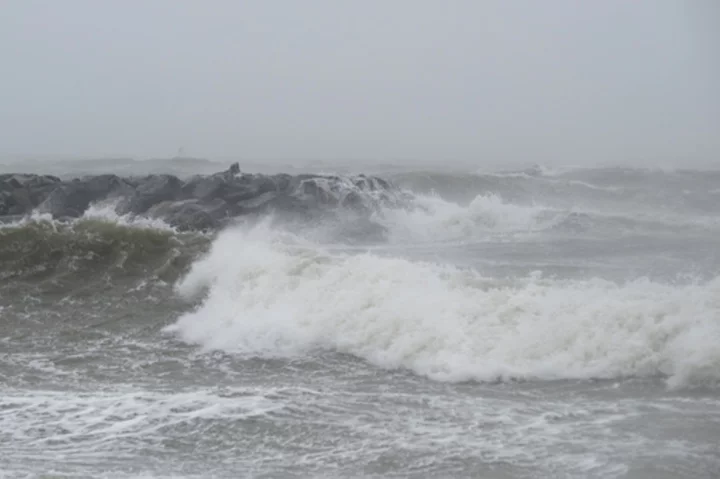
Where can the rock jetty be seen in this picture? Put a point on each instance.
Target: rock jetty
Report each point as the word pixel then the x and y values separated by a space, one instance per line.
pixel 200 202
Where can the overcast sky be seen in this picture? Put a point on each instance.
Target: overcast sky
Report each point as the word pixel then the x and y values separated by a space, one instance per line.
pixel 561 81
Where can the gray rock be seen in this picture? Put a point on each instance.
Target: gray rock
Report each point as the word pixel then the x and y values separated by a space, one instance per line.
pixel 20 193
pixel 15 202
pixel 245 187
pixel 73 198
pixel 229 185
pixel 205 187
pixel 371 183
pixel 322 194
pixel 19 180
pixel 258 202
pixel 354 201
pixel 150 191
pixel 201 202
pixel 192 214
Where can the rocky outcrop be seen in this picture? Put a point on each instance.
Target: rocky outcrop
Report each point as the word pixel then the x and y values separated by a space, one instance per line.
pixel 200 202
pixel 19 194
pixel 193 214
pixel 71 199
pixel 150 191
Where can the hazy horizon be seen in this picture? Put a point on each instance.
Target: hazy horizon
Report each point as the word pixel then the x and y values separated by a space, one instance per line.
pixel 493 82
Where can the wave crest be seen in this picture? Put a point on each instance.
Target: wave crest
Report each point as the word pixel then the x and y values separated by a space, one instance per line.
pixel 38 247
pixel 434 219
pixel 264 295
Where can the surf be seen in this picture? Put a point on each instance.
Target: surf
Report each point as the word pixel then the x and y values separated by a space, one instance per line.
pixel 268 293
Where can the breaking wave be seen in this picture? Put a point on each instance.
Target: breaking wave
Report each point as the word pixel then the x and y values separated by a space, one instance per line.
pixel 271 285
pixel 267 293
pixel 435 219
pixel 37 246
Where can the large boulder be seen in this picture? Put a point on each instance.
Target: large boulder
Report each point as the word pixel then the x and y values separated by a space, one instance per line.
pixel 15 202
pixel 27 181
pixel 193 214
pixel 361 194
pixel 229 185
pixel 205 187
pixel 246 187
pixel 150 191
pixel 319 190
pixel 19 194
pixel 71 199
pixel 354 201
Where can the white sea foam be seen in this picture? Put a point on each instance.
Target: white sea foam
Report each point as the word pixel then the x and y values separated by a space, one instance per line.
pixel 100 211
pixel 75 432
pixel 32 217
pixel 528 173
pixel 585 184
pixel 267 296
pixel 435 219
pixel 105 211
pixel 488 216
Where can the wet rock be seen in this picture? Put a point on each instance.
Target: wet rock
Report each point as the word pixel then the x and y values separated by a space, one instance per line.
pixel 20 193
pixel 320 190
pixel 19 180
pixel 150 191
pixel 261 201
pixel 354 201
pixel 192 214
pixel 201 202
pixel 205 187
pixel 245 187
pixel 74 197
pixel 15 202
pixel 229 185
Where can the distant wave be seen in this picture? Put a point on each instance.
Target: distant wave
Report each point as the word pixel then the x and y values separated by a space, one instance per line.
pixel 433 219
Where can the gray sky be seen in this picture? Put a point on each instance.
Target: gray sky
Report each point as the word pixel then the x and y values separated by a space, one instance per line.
pixel 561 81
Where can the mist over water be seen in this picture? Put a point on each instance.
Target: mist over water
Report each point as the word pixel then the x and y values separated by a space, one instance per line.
pixel 497 84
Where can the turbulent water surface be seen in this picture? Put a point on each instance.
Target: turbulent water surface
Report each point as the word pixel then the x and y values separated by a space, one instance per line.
pixel 522 324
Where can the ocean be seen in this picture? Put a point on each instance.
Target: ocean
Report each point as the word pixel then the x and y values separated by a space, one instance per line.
pixel 538 323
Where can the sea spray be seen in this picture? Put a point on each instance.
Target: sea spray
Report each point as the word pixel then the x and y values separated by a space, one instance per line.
pixel 262 295
pixel 433 218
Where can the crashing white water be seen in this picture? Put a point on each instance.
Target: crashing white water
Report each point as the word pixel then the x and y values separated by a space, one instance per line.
pixel 435 219
pixel 99 211
pixel 267 296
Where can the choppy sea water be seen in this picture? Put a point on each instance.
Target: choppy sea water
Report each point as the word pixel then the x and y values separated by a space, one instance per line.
pixel 519 324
